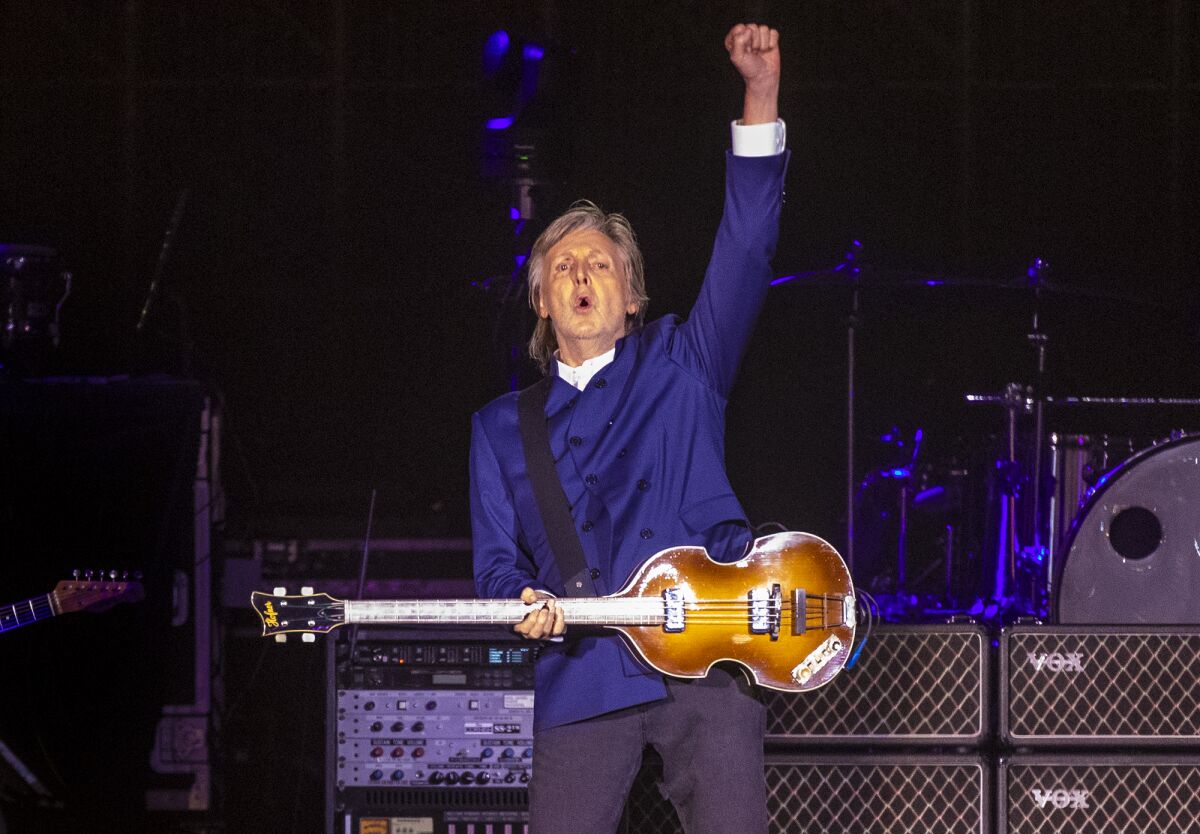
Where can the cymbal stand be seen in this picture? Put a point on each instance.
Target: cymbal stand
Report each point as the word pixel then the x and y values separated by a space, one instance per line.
pixel 1015 400
pixel 1038 338
pixel 851 268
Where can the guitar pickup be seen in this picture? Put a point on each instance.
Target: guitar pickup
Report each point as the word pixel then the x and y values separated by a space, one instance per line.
pixel 766 610
pixel 760 611
pixel 673 611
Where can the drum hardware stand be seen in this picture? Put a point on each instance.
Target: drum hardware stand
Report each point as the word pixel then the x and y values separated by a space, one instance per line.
pixel 851 268
pixel 1036 275
pixel 1016 398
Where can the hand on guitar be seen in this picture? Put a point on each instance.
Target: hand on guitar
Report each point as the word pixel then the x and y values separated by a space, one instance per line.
pixel 544 623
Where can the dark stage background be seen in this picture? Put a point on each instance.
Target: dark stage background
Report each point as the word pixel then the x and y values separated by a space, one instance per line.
pixel 343 272
pixel 340 219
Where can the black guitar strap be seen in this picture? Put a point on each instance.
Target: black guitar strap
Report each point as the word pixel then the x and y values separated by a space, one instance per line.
pixel 547 489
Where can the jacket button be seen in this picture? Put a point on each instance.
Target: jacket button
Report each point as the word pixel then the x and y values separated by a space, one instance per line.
pixel 587 526
pixel 643 485
pixel 595 573
pixel 576 441
pixel 647 533
pixel 592 480
pixel 601 383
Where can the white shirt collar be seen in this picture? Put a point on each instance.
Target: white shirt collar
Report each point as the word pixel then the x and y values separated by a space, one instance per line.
pixel 581 376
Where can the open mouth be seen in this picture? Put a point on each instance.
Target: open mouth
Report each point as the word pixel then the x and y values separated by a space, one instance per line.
pixel 583 302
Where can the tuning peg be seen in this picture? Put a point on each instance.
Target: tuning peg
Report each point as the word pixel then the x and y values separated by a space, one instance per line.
pixel 306 591
pixel 87 574
pixel 75 573
pixel 279 591
pixel 306 637
pixel 137 576
pixel 112 573
pixel 280 638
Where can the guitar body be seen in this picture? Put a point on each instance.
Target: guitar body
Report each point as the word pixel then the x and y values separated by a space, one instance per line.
pixel 789 560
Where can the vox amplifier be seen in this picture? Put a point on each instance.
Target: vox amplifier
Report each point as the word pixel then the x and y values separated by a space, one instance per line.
pixel 847 794
pixel 1099 794
pixel 912 685
pixel 1091 686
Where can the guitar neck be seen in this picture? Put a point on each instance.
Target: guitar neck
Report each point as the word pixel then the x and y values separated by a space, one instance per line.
pixel 26 612
pixel 579 611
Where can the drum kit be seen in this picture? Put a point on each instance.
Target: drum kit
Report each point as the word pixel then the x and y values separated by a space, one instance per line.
pixel 1040 518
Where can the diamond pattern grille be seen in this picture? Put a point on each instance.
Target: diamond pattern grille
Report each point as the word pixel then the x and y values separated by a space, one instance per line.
pixel 908 686
pixel 1120 799
pixel 1132 687
pixel 844 798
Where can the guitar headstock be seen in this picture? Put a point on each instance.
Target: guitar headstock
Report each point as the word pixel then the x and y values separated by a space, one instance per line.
pixel 307 613
pixel 97 591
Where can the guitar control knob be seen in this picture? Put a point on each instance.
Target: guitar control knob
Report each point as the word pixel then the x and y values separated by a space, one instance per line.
pixel 377 726
pixel 467 779
pixel 376 752
pixel 418 727
pixel 483 777
pixel 418 752
pixel 376 775
pixel 431 705
pixel 397 752
pixel 436 778
pixel 398 727
pixel 451 778
pixel 397 775
pixel 524 778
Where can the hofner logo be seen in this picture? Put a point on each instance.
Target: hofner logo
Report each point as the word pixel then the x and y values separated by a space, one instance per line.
pixel 272 617
pixel 1056 662
pixel 1061 798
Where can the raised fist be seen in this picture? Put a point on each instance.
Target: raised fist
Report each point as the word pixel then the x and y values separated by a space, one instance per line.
pixel 754 50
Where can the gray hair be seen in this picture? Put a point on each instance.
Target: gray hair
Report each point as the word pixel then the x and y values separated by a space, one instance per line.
pixel 582 216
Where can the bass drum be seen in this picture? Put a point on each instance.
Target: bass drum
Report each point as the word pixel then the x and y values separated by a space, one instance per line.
pixel 1133 553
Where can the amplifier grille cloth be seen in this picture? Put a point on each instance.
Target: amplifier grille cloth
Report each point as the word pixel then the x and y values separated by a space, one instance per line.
pixel 1136 685
pixel 1164 799
pixel 906 684
pixel 846 798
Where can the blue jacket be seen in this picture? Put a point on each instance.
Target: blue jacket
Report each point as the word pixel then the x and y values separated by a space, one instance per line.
pixel 640 453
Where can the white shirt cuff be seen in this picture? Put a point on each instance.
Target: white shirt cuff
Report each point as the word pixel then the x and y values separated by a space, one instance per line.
pixel 766 139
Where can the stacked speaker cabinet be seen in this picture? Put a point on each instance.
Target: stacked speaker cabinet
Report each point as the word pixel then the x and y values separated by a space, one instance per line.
pixel 863 793
pixel 908 719
pixel 1125 701
pixel 912 686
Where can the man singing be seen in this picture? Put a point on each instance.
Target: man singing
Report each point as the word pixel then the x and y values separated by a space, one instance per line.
pixel 636 421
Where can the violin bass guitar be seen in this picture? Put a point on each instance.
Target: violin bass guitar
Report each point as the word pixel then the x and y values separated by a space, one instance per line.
pixel 785 612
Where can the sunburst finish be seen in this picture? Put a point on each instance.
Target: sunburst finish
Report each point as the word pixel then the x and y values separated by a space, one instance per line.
pixel 720 631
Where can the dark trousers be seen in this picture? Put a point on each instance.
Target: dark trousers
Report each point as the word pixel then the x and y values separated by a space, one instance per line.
pixel 709 733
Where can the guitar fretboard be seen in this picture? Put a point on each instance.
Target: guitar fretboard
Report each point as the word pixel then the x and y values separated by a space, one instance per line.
pixel 591 611
pixel 26 612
